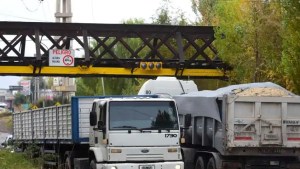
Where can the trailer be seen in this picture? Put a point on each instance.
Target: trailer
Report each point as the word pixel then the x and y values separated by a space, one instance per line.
pixel 104 133
pixel 240 127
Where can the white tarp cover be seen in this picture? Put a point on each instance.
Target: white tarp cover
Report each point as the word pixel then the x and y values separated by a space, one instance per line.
pixel 203 103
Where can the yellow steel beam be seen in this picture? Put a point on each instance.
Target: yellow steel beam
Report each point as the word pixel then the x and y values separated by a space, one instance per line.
pixel 107 71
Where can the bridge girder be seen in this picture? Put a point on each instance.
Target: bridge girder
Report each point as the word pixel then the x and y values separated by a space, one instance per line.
pixel 110 50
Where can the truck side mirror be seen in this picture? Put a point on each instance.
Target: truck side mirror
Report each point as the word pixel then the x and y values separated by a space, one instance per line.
pixel 187 120
pixel 93 118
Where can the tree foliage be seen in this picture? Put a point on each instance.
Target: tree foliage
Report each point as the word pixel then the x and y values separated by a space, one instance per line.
pixel 291 45
pixel 260 39
pixel 248 37
pixel 167 15
pixel 207 10
pixel 20 99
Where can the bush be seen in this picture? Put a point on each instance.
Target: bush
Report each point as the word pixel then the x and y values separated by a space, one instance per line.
pixel 11 160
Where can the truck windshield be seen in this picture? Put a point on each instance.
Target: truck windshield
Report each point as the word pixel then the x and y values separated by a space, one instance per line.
pixel 142 115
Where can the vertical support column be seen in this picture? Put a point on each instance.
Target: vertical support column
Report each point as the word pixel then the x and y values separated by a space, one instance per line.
pixel 258 125
pixel 180 68
pixel 23 44
pixel 64 12
pixel 86 46
pixel 44 124
pixel 180 47
pixel 284 110
pixel 32 125
pixel 37 44
pixel 56 120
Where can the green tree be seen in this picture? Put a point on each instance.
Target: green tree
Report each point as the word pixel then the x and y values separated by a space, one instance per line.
pixel 248 38
pixel 167 15
pixel 291 45
pixel 19 100
pixel 207 10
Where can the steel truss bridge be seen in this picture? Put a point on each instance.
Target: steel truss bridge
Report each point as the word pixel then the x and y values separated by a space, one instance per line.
pixel 110 50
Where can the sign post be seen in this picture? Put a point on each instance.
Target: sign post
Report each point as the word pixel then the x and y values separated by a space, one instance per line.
pixel 61 57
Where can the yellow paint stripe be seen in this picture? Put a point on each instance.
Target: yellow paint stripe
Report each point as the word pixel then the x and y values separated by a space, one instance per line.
pixel 23 70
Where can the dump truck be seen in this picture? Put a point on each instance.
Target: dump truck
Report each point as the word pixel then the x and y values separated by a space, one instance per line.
pixel 247 126
pixel 112 132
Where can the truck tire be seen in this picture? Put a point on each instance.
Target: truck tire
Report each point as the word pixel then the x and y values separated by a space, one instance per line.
pixel 211 163
pixel 199 163
pixel 93 164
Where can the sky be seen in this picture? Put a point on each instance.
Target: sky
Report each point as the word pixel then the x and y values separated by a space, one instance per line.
pixel 86 11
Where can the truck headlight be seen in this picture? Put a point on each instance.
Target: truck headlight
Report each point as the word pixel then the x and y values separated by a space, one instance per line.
pixel 177 166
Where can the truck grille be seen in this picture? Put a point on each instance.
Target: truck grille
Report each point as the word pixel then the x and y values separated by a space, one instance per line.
pixel 141 157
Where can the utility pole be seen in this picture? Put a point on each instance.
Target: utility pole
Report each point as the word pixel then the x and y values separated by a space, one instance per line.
pixel 64 14
pixel 63 11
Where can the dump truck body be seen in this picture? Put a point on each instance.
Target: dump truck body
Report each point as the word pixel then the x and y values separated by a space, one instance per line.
pixel 230 124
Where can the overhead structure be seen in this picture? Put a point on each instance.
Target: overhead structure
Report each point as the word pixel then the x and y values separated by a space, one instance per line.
pixel 26 49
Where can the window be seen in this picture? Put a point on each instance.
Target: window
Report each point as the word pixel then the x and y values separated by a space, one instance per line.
pixel 103 113
pixel 143 115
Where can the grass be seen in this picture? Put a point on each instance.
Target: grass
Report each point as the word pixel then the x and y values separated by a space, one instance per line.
pixel 10 160
pixel 5 113
pixel 15 160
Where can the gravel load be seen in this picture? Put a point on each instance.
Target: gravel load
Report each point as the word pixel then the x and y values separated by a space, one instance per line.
pixel 262 91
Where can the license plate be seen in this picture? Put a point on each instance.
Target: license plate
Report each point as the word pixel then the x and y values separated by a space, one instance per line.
pixel 146 167
pixel 271 137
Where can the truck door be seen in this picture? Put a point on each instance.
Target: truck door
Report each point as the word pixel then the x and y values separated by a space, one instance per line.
pixel 257 121
pixel 270 123
pixel 100 133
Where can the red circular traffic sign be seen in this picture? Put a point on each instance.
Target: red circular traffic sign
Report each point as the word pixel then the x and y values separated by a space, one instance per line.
pixel 68 60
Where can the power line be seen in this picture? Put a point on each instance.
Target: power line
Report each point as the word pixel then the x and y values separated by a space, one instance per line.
pixel 32 10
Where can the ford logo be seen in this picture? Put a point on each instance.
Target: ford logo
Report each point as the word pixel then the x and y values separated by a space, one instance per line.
pixel 144 150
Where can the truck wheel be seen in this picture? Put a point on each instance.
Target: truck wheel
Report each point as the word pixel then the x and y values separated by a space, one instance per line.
pixel 199 163
pixel 93 164
pixel 211 163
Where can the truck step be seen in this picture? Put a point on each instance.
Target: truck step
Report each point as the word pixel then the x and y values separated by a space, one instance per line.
pixel 49 151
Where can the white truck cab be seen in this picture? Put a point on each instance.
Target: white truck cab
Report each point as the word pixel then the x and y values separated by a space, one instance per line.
pixel 135 133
